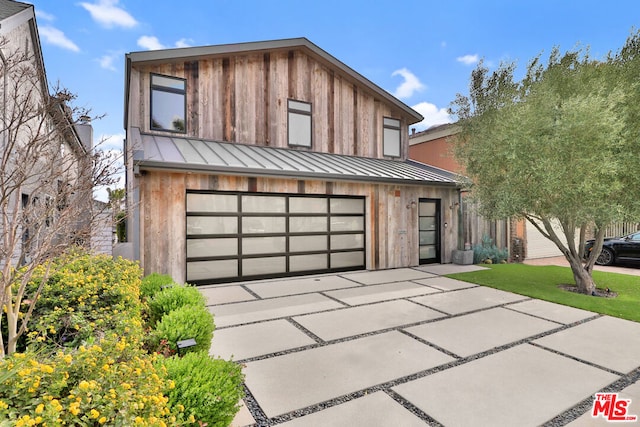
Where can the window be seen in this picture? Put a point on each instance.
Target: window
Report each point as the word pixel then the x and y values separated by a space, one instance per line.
pixel 168 103
pixel 299 123
pixel 391 137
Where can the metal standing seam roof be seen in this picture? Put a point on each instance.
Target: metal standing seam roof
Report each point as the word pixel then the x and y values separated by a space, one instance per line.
pixel 10 8
pixel 188 154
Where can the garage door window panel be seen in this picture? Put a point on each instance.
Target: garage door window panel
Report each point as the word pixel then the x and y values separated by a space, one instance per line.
pixel 263 245
pixel 347 241
pixel 201 248
pixel 207 225
pixel 261 266
pixel 204 270
pixel 218 203
pixel 308 243
pixel 347 259
pixel 309 224
pixel 266 204
pixel 307 205
pixel 347 223
pixel 252 225
pixel 308 262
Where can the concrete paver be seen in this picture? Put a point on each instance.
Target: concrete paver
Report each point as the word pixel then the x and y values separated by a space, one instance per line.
pixel 300 286
pixel 606 341
pixel 521 386
pixel 244 342
pixel 225 294
pixel 551 311
pixel 293 381
pixel 363 319
pixel 253 311
pixel 243 417
pixel 481 331
pixel 465 300
pixel 376 293
pixel 445 283
pixel 379 370
pixel 376 409
pixel 386 276
pixel 444 269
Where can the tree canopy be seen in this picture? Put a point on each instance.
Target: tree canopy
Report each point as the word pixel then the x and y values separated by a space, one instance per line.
pixel 559 145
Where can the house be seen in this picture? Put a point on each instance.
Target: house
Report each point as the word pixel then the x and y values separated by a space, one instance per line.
pixel 433 146
pixel 44 181
pixel 270 159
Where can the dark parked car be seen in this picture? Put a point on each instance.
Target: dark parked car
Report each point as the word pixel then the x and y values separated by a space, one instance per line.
pixel 617 249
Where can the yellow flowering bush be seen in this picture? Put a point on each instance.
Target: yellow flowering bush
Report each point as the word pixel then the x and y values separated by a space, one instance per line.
pixel 112 382
pixel 86 296
pixel 85 361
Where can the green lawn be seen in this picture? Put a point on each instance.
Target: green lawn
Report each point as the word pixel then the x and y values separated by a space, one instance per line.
pixel 542 282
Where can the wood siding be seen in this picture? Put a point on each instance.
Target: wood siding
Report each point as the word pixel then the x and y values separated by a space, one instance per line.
pixel 243 98
pixel 391 230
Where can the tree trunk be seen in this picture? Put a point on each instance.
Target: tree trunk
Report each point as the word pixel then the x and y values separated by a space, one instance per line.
pixel 582 276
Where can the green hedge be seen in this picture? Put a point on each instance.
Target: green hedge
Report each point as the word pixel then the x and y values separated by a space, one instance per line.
pixel 207 389
pixel 171 298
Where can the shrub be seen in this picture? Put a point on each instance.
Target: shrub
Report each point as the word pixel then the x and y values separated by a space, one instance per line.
pixel 109 383
pixel 189 321
pixel 207 388
pixel 86 296
pixel 488 252
pixel 172 298
pixel 153 283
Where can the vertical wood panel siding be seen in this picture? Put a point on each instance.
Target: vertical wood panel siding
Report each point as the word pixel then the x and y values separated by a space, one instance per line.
pixel 243 98
pixel 392 229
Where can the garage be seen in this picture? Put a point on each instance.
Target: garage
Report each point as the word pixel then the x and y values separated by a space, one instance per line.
pixel 232 236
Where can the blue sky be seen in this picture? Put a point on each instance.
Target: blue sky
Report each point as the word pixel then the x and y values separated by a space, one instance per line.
pixel 422 51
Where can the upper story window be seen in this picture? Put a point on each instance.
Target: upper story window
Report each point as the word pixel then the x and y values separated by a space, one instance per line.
pixel 391 137
pixel 168 103
pixel 299 119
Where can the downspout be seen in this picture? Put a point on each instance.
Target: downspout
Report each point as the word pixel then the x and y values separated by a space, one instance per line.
pixel 462 227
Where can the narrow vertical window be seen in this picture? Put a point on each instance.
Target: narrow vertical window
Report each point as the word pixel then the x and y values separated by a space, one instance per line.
pixel 391 137
pixel 299 123
pixel 168 103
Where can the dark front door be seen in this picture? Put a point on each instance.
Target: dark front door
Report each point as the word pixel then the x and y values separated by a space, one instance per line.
pixel 429 231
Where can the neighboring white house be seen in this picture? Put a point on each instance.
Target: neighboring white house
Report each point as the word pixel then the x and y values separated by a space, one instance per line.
pixel 46 176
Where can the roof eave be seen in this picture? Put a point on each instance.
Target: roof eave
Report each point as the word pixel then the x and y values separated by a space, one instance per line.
pixel 251 172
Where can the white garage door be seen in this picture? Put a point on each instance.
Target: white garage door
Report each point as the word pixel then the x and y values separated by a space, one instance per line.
pixel 242 236
pixel 539 246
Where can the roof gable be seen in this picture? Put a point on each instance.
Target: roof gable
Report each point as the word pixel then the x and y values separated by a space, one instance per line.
pixel 303 44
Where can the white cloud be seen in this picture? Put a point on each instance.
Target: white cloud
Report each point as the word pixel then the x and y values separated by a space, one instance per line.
pixel 432 115
pixel 45 16
pixel 150 43
pixel 56 37
pixel 106 13
pixel 468 59
pixel 410 85
pixel 107 61
pixel 184 43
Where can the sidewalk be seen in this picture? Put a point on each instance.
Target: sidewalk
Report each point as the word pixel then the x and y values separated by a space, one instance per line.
pixel 410 347
pixel 562 261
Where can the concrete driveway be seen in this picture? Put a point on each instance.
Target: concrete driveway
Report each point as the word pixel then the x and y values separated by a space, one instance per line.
pixel 408 347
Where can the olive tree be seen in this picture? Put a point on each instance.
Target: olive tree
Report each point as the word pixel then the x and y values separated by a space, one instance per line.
pixel 47 175
pixel 559 147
